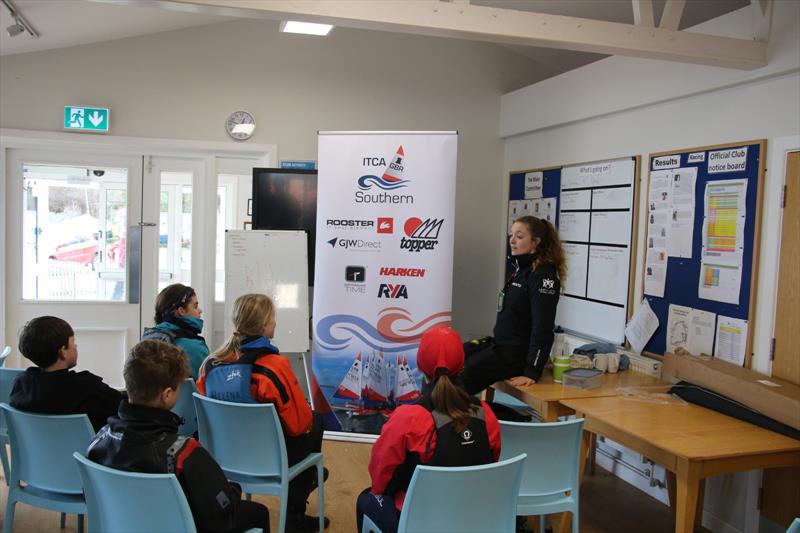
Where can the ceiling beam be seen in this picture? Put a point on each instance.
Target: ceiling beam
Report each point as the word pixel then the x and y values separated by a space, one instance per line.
pixel 762 19
pixel 643 13
pixel 505 26
pixel 671 17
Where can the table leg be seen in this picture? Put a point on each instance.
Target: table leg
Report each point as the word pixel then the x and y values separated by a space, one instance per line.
pixel 672 488
pixel 592 453
pixel 688 492
pixel 550 412
pixel 586 439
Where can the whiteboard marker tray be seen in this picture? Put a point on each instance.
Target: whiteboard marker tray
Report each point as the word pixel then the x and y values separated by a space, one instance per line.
pixel 583 378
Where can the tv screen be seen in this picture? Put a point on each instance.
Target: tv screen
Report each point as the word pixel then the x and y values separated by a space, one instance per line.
pixel 286 199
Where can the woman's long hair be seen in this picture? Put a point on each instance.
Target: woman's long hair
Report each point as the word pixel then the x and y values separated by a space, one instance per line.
pixel 450 398
pixel 549 249
pixel 251 312
pixel 170 299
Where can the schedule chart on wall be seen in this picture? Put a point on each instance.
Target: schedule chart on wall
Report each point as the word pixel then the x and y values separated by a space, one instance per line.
pixel 596 228
pixel 594 206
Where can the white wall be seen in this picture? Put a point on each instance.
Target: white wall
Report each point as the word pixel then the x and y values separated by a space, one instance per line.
pixel 183 84
pixel 626 106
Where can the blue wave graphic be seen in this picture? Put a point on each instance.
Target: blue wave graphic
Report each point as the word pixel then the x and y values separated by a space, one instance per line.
pixel 358 328
pixel 366 182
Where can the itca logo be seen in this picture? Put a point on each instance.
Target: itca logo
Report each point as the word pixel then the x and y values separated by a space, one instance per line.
pixel 385 225
pixel 392 177
pixel 422 235
pixel 387 290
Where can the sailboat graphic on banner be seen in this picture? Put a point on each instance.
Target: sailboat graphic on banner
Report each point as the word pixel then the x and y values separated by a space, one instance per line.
pixel 374 384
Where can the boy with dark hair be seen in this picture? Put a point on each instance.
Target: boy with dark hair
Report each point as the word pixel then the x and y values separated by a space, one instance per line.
pixel 144 438
pixel 51 387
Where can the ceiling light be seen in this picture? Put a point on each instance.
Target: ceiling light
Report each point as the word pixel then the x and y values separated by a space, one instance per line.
pixel 308 28
pixel 15 29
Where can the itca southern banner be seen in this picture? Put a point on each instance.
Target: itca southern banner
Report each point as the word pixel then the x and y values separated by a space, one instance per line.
pixel 384 266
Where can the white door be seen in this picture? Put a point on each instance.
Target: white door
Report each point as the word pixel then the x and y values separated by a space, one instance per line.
pixel 74 242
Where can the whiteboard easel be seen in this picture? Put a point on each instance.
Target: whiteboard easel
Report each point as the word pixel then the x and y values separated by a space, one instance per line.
pixel 274 263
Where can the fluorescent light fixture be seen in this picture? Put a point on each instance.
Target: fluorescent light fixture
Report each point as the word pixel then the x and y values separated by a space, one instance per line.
pixel 308 28
pixel 244 128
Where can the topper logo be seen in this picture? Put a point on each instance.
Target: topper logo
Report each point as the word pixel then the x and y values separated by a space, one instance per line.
pixel 421 234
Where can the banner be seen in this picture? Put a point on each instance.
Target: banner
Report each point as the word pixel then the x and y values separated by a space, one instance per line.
pixel 384 269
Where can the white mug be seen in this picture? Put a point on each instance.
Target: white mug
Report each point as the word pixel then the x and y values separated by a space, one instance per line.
pixel 601 361
pixel 613 363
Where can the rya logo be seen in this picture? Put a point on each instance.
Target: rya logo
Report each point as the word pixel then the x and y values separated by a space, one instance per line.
pixel 387 290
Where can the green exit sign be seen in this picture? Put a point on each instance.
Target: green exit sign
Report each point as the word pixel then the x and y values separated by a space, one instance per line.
pixel 94 119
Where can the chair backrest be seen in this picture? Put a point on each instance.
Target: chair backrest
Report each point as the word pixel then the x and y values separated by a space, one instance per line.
pixel 42 447
pixel 132 501
pixel 4 355
pixel 553 449
pixel 185 408
pixel 7 377
pixel 242 437
pixel 479 498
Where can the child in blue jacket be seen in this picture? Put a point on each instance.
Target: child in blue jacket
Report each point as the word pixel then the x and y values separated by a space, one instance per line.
pixel 179 322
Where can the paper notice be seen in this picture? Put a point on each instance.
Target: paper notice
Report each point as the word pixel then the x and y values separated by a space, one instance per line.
pixel 548 210
pixel 681 219
pixel 701 332
pixel 641 327
pixel 723 223
pixel 678 327
pixel 721 283
pixel 660 189
pixel 655 271
pixel 533 184
pixel 515 210
pixel 731 340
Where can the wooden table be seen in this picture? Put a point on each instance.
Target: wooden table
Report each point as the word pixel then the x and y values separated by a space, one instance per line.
pixel 690 441
pixel 546 395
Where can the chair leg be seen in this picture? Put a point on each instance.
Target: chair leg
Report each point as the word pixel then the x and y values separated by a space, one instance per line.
pixel 4 460
pixel 542 522
pixel 9 520
pixel 80 523
pixel 575 521
pixel 321 496
pixel 284 506
pixel 63 523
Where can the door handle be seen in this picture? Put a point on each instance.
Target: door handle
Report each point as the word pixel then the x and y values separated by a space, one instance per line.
pixel 147 224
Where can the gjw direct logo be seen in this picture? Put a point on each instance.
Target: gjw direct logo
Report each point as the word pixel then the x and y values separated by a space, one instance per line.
pixel 391 180
pixel 358 245
pixel 421 234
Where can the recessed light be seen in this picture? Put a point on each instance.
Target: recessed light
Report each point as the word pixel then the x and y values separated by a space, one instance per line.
pixel 308 28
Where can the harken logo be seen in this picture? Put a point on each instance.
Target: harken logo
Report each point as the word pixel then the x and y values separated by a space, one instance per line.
pixel 388 290
pixel 385 225
pixel 402 272
pixel 422 234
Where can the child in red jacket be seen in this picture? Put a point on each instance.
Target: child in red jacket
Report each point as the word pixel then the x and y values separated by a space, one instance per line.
pixel 272 381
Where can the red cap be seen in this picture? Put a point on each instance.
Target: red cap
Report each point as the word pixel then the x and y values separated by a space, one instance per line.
pixel 440 347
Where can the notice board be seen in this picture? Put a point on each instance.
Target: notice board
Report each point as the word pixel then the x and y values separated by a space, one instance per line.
pixel 593 206
pixel 710 261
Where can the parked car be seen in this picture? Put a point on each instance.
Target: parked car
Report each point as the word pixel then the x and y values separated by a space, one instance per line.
pixel 83 251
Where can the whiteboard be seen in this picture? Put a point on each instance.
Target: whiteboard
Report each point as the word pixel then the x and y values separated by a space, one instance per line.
pixel 274 263
pixel 596 226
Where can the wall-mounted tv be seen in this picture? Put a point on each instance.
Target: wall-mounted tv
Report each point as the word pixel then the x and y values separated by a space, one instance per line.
pixel 287 199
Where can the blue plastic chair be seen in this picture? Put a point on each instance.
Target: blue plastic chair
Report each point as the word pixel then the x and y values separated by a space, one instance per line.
pixel 185 408
pixel 550 481
pixel 7 377
pixel 41 448
pixel 479 499
pixel 160 504
pixel 794 527
pixel 247 442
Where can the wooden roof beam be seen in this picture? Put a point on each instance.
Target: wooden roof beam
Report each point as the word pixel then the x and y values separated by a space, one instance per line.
pixel 490 24
pixel 671 17
pixel 643 13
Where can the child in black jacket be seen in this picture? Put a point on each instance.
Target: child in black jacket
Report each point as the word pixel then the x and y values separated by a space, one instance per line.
pixel 50 387
pixel 144 438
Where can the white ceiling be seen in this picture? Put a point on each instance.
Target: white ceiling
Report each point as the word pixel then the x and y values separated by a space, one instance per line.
pixel 63 23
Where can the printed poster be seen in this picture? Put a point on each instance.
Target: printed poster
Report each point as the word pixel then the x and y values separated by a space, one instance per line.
pixel 384 267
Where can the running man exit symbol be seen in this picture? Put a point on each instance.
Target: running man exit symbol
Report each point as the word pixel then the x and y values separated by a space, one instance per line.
pixel 94 119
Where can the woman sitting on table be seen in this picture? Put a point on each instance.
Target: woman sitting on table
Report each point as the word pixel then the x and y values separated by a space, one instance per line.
pixel 446 427
pixel 526 311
